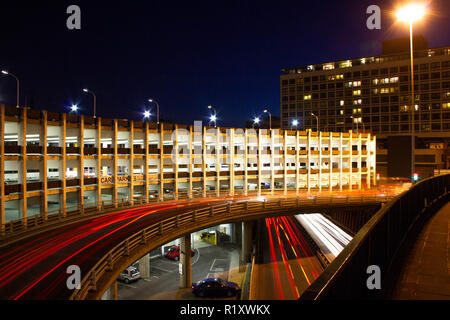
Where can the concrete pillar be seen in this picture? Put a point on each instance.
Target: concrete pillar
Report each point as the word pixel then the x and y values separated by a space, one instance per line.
pixel 144 266
pixel 247 235
pixel 2 170
pixel 43 165
pixel 111 293
pixel 185 261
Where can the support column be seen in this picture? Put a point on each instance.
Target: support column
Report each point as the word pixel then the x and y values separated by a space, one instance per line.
pixel 191 162
pixel 340 161
pixel 359 161
pixel 161 162
pixel 2 170
pixel 62 172
pixel 22 137
pixel 319 137
pixel 204 160
pixel 111 293
pixel 99 163
pixel 218 155
pixel 330 163
pixel 308 160
pixel 131 175
pixel 259 161
pixel 285 162
pixel 297 159
pixel 230 155
pixel 146 175
pixel 43 165
pixel 175 165
pixel 272 162
pixel 368 161
pixel 374 145
pixel 185 261
pixel 115 187
pixel 144 266
pixel 245 162
pixel 81 172
pixel 350 156
pixel 247 241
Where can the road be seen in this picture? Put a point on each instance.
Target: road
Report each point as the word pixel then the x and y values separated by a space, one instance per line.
pixel 289 263
pixel 35 268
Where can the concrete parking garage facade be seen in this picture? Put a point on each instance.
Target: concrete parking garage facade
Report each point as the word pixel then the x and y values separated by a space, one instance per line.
pixel 51 162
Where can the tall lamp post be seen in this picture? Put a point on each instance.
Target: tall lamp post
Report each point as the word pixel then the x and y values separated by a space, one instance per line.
pixel 6 72
pixel 411 13
pixel 214 116
pixel 270 118
pixel 157 109
pixel 95 99
pixel 317 120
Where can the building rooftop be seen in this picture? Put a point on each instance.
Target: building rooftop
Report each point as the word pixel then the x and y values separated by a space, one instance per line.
pixel 393 50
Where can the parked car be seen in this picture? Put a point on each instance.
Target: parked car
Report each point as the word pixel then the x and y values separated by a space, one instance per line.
pixel 215 287
pixel 130 274
pixel 174 253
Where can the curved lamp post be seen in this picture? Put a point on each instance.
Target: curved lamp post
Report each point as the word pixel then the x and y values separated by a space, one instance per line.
pixel 6 72
pixel 95 99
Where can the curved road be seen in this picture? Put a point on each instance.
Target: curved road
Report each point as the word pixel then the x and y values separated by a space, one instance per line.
pixel 35 267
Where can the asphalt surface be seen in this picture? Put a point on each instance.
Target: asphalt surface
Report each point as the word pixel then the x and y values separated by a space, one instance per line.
pixel 288 264
pixel 163 284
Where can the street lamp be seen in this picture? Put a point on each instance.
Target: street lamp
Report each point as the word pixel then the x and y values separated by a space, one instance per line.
pixel 294 123
pixel 6 72
pixel 214 116
pixel 270 118
pixel 95 99
pixel 411 13
pixel 147 114
pixel 157 109
pixel 255 121
pixel 317 120
pixel 74 108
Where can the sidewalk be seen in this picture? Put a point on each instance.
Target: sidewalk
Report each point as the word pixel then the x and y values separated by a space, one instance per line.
pixel 425 274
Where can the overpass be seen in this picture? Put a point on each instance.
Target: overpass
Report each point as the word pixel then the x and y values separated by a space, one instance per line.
pixel 34 261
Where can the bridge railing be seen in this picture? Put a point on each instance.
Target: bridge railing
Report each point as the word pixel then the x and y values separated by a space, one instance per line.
pixel 60 215
pixel 189 218
pixel 380 243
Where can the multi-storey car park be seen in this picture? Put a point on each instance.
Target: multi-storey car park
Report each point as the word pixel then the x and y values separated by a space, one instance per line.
pixel 373 94
pixel 57 162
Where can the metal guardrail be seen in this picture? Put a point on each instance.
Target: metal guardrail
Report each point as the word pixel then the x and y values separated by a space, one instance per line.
pixel 380 242
pixel 187 219
pixel 35 222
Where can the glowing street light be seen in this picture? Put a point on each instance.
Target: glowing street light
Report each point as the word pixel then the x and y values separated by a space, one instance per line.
pixel 294 123
pixel 147 114
pixel 214 116
pixel 255 121
pixel 74 108
pixel 411 13
pixel 270 118
pixel 6 72
pixel 157 109
pixel 95 99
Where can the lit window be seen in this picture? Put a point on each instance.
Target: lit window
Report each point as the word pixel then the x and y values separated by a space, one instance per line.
pixel 307 97
pixel 328 66
pixel 394 80
pixel 341 112
pixel 342 102
pixel 345 64
pixel 356 92
pixel 339 76
pixel 404 108
pixel 310 68
pixel 331 78
pixel 446 105
pixel 356 102
pixel 376 81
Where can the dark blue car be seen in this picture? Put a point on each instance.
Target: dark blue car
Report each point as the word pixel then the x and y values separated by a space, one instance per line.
pixel 215 287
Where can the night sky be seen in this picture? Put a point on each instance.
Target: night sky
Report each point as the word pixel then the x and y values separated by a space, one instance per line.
pixel 185 54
